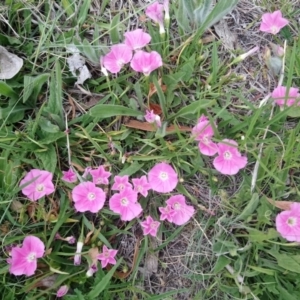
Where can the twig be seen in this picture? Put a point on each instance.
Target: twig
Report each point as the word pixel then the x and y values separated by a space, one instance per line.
pixel 263 102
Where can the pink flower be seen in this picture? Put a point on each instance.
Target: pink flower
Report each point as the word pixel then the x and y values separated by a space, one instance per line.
pixel 70 239
pixel 77 257
pixel 288 223
pixel 279 95
pixel 167 213
pixel 203 132
pixel 107 256
pixel 183 212
pixel 141 185
pixel 100 176
pixel 92 269
pixel 125 204
pixel 150 226
pixel 23 259
pixel 146 62
pixel 230 160
pixel 103 70
pixel 155 13
pixel 40 186
pixel 273 22
pixel 166 8
pixel 118 56
pixel 86 172
pixel 121 183
pixel 137 39
pixel 151 117
pixel 62 291
pixel 88 197
pixel 162 178
pixel 69 176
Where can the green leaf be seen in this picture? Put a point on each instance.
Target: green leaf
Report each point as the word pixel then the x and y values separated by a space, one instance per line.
pixel 132 169
pixel 288 262
pixel 84 9
pixel 193 108
pixel 33 86
pixel 47 126
pixel 221 263
pixel 258 236
pixel 109 110
pixel 221 9
pixel 201 12
pixel 48 158
pixel 100 286
pixel 181 16
pixel 249 209
pixel 114 30
pixel 68 7
pixel 7 91
pixel 262 270
pixel 54 105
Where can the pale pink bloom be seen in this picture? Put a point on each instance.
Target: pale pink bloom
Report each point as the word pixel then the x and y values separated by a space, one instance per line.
pixel 150 226
pixel 62 291
pixel 229 161
pixel 273 22
pixel 118 56
pixel 245 55
pixel 69 176
pixel 86 172
pixel 23 259
pixel 183 212
pixel 87 197
pixel 146 62
pixel 40 186
pixel 121 183
pixel 125 203
pixel 70 239
pixel 107 256
pixel 77 256
pixel 167 213
pixel 162 178
pixel 288 223
pixel 279 51
pixel 203 132
pixel 92 269
pixel 100 176
pixel 137 39
pixel 103 70
pixel 202 127
pixel 141 185
pixel 279 95
pixel 151 117
pixel 166 9
pixel 155 13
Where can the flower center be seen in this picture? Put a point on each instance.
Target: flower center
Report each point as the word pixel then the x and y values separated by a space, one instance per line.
pixel 227 155
pixel 31 257
pixel 153 225
pixel 121 186
pixel 177 206
pixel 40 187
pixel 91 196
pixel 124 202
pixel 291 221
pixel 205 140
pixel 163 176
pixel 106 254
pixel 274 29
pixel 120 62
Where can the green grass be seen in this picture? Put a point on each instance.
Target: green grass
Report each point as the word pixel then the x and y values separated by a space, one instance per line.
pixel 230 250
